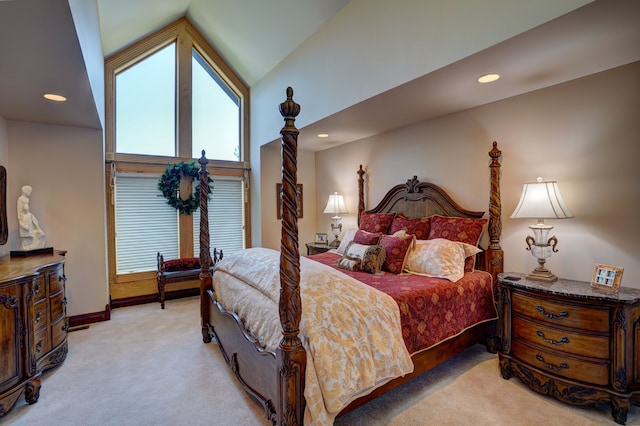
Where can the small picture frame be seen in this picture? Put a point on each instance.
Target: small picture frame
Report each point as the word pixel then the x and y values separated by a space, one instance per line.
pixel 321 238
pixel 607 277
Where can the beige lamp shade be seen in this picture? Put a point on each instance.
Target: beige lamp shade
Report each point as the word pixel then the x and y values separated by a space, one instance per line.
pixel 335 206
pixel 541 200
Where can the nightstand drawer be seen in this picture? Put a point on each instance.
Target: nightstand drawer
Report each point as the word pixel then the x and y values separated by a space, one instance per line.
pixel 585 318
pixel 571 368
pixel 316 248
pixel 562 340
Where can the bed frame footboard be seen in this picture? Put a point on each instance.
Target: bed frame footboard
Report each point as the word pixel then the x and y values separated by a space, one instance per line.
pixel 255 368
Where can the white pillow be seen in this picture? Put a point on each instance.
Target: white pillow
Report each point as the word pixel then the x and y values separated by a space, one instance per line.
pixel 439 258
pixel 348 236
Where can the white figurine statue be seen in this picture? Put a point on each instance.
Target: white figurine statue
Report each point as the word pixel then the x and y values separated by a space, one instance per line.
pixel 31 235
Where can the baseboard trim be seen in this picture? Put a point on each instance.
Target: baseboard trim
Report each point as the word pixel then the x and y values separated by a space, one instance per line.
pixel 78 320
pixel 153 298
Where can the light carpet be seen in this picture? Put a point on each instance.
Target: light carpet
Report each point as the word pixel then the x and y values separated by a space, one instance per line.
pixel 148 366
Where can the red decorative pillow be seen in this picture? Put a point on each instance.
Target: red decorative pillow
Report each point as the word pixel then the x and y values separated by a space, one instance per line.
pixel 366 238
pixel 376 222
pixel 396 249
pixel 419 226
pixel 182 264
pixel 458 229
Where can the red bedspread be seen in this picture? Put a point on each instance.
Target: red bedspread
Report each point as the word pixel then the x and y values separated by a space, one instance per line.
pixel 431 309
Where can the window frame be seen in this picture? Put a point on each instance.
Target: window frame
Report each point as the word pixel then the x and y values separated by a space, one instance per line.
pixel 186 37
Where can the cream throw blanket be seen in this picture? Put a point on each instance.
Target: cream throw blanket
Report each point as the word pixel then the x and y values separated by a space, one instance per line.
pixel 351 332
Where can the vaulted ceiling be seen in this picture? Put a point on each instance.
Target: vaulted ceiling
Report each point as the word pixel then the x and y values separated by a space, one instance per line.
pixel 40 52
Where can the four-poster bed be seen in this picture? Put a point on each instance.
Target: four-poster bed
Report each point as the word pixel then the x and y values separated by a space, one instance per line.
pixel 276 377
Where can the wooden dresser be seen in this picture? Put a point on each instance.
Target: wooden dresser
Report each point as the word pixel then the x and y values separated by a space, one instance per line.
pixel 571 341
pixel 33 324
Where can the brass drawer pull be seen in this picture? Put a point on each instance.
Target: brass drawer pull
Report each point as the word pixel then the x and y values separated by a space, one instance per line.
pixel 38 347
pixel 563 314
pixel 563 339
pixel 38 316
pixel 550 366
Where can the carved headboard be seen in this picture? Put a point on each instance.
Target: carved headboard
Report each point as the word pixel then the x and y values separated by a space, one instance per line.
pixel 416 199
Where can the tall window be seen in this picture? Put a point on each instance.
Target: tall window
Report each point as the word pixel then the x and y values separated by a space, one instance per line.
pixel 169 97
pixel 146 105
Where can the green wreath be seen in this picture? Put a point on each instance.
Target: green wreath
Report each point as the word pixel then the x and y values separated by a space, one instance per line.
pixel 169 184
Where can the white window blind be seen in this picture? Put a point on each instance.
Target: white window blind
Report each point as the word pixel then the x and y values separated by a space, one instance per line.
pixel 226 217
pixel 145 224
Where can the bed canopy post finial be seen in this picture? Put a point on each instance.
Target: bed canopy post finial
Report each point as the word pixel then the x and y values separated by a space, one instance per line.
pixel 291 354
pixel 360 192
pixel 494 252
pixel 205 256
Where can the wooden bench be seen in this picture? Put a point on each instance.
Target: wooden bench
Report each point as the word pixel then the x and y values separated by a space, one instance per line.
pixel 179 270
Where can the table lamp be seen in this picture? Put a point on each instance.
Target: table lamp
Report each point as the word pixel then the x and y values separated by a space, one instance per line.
pixel 541 200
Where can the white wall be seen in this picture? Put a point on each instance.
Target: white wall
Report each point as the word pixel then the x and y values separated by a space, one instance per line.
pixel 271 164
pixel 4 160
pixel 65 167
pixel 584 134
pixel 87 24
pixel 401 39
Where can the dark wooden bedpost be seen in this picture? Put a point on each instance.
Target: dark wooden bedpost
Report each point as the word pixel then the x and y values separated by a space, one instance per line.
pixel 360 192
pixel 495 254
pixel 291 355
pixel 205 255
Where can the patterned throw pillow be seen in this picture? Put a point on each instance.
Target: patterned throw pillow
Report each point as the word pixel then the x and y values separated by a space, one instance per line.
pixel 396 249
pixel 347 238
pixel 366 238
pixel 439 258
pixel 458 229
pixel 182 264
pixel 417 226
pixel 363 257
pixel 376 222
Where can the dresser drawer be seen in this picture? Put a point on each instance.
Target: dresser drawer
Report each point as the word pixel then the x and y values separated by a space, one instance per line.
pixel 57 306
pixel 41 343
pixel 40 315
pixel 59 331
pixel 39 291
pixel 56 280
pixel 561 340
pixel 571 368
pixel 585 318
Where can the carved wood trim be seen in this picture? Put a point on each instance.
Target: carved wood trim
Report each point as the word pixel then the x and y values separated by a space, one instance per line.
pixel 4 226
pixel 360 192
pixel 290 354
pixel 494 256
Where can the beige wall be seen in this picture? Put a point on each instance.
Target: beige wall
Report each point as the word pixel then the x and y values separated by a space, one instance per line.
pixel 331 70
pixel 584 134
pixel 271 164
pixel 64 165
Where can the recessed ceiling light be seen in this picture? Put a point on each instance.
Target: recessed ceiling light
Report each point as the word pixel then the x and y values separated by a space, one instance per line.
pixel 488 78
pixel 323 135
pixel 54 97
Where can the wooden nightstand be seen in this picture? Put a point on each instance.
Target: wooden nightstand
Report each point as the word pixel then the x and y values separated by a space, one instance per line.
pixel 571 341
pixel 315 248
